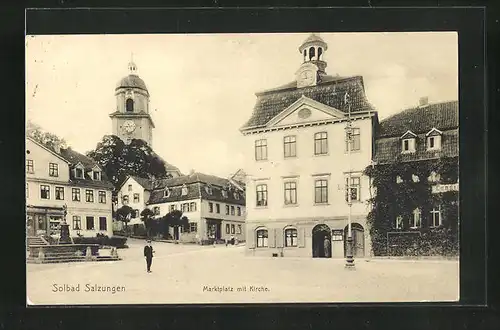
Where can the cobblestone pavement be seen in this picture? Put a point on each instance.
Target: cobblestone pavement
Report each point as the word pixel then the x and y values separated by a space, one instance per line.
pixel 204 274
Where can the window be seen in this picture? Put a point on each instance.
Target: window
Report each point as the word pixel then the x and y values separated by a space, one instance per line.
pixel 399 222
pixel 290 237
pixel 238 209
pixel 75 194
pixel 233 229
pixel 102 197
pixel 399 179
pixel 90 223
pixel 227 228
pixel 60 193
pixel 436 216
pixel 125 200
pixel 129 105
pixel 53 169
pixel 355 140
pixel 217 208
pixel 210 207
pixel 44 191
pixel 77 222
pixel 408 145
pixel 184 190
pixel 137 213
pixel 321 191
pixel 30 166
pixel 262 238
pixel 79 173
pixel 321 143
pixel 166 193
pixel 227 209
pixel 224 193
pixel 290 193
pixel 96 175
pixel 261 149
pixel 173 207
pixel 129 187
pixel 434 143
pixel 354 189
pixel 290 146
pixel 261 195
pixel 416 221
pixel 236 195
pixel 103 223
pixel 238 229
pixel 27 191
pixel 208 189
pixel 193 227
pixel 136 198
pixel 89 196
pixel 192 207
pixel 232 210
pixel 415 178
pixel 156 210
pixel 185 207
pixel 434 177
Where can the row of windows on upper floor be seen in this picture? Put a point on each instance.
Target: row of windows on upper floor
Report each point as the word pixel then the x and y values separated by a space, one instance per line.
pixel 320 192
pixel 59 194
pixel 184 192
pixel 192 207
pixel 352 142
pixel 54 170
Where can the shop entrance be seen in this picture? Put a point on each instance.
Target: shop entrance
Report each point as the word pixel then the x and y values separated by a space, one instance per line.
pixel 321 241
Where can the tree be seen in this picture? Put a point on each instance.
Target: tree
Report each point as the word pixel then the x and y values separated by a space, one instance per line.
pixel 120 160
pixel 175 219
pixel 47 139
pixel 147 218
pixel 123 214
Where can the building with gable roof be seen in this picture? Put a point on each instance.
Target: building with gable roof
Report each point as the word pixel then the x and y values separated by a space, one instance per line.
pixel 298 164
pixel 63 180
pixel 418 151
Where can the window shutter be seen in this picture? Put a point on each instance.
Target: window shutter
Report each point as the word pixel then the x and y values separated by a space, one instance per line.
pixel 272 238
pixel 302 237
pixel 250 239
pixel 279 238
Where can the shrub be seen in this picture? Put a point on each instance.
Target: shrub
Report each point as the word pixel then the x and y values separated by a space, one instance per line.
pixel 102 240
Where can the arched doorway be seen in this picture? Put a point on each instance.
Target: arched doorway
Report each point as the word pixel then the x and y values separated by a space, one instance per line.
pixel 358 240
pixel 321 249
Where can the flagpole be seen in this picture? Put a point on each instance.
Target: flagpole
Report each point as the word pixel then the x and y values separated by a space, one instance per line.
pixel 349 248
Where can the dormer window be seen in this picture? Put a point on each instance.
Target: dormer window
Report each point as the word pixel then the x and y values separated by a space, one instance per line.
pixel 79 173
pixel 166 193
pixel 434 139
pixel 184 191
pixel 408 142
pixel 224 193
pixel 96 175
pixel 236 195
pixel 434 177
pixel 208 189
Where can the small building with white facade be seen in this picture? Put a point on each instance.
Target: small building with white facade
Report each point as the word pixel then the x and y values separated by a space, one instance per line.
pixel 298 164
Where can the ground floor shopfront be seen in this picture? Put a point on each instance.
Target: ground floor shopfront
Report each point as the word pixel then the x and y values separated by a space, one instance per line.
pixel 316 238
pixel 43 220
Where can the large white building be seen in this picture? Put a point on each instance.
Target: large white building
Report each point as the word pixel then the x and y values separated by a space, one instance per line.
pixel 298 164
pixel 65 178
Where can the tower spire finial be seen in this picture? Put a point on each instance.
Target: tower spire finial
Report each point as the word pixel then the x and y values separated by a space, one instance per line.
pixel 132 68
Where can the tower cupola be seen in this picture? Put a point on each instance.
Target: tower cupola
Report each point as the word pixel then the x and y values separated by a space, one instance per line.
pixel 313 50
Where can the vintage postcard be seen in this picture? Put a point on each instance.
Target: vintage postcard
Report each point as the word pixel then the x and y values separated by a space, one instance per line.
pixel 242 168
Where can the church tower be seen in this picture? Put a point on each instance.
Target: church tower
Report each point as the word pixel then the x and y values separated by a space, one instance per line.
pixel 131 120
pixel 313 66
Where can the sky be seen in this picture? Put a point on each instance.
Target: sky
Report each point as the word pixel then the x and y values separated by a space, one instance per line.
pixel 202 86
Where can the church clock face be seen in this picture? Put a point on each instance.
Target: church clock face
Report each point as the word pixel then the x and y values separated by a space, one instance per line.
pixel 129 126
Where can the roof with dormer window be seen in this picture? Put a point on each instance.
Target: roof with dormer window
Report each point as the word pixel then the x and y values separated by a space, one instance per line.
pixel 79 160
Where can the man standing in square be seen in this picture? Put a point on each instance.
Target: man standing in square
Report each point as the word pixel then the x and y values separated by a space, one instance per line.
pixel 148 254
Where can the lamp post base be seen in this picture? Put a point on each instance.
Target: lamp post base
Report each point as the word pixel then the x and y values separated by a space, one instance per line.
pixel 349 260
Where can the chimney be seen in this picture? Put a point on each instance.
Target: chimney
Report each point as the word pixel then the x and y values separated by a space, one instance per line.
pixel 423 101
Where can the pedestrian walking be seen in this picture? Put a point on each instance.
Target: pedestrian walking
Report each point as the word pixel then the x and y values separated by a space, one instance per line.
pixel 148 254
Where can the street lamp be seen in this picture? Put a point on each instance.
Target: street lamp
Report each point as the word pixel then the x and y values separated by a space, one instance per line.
pixel 349 248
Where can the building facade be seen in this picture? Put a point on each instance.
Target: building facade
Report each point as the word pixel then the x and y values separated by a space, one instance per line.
pixel 417 170
pixel 298 165
pixel 63 184
pixel 215 208
pixel 132 119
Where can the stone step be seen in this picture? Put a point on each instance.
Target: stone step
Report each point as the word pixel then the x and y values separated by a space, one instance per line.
pixel 77 259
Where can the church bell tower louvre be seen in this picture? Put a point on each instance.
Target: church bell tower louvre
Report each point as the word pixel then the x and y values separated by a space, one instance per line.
pixel 132 120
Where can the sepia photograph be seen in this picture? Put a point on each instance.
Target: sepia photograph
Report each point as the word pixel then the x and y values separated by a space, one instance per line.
pixel 242 168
